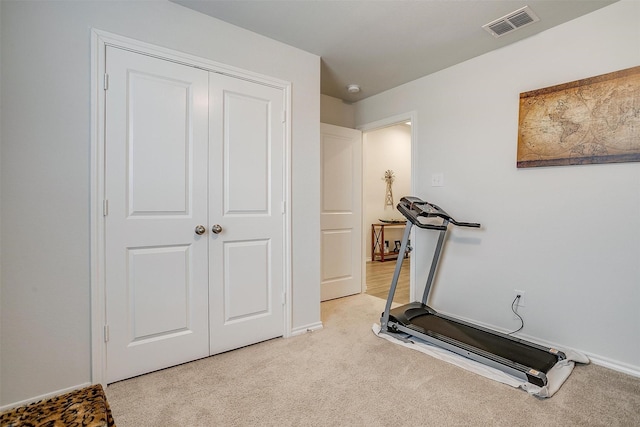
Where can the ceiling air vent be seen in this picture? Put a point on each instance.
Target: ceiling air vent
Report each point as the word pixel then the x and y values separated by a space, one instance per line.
pixel 511 22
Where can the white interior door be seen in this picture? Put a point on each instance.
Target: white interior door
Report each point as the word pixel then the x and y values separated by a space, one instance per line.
pixel 186 148
pixel 341 211
pixel 156 189
pixel 247 202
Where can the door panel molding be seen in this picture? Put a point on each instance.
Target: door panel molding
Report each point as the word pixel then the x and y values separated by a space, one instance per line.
pixel 259 251
pixel 100 206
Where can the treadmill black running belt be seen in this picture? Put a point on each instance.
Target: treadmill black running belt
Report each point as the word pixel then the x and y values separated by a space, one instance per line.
pixel 502 347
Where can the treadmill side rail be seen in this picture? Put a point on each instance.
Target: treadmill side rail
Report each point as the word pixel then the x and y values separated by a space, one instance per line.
pixel 557 353
pixel 514 369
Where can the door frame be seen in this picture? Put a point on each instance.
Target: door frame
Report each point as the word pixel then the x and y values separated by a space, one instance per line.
pixel 99 42
pixel 379 124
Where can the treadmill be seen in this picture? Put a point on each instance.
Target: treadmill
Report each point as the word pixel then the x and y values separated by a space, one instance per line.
pixel 522 359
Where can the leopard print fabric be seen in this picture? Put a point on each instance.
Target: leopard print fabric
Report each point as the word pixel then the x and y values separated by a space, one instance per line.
pixel 85 407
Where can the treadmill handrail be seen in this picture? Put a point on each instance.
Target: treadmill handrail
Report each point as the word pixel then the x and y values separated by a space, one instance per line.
pixel 413 208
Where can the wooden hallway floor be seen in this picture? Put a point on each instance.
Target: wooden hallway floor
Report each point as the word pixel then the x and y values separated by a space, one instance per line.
pixel 379 275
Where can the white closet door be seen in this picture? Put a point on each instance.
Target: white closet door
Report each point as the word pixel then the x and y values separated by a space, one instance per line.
pixel 341 211
pixel 156 185
pixel 246 182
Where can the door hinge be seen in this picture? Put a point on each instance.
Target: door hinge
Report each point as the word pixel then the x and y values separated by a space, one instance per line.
pixel 284 207
pixel 106 82
pixel 284 116
pixel 106 333
pixel 105 207
pixel 284 298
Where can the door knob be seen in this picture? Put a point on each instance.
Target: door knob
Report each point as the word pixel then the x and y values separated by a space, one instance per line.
pixel 200 230
pixel 216 229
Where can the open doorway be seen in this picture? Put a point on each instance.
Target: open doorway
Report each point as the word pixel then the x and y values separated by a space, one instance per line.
pixel 387 154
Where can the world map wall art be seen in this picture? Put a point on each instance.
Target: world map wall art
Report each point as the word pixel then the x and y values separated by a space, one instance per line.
pixel 594 120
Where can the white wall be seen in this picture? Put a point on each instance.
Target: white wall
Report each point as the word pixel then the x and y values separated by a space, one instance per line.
pixel 386 148
pixel 45 70
pixel 568 236
pixel 336 112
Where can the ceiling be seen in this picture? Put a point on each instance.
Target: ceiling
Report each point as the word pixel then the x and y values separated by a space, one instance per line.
pixel 382 44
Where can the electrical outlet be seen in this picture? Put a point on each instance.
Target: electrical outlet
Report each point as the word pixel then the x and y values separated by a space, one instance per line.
pixel 521 302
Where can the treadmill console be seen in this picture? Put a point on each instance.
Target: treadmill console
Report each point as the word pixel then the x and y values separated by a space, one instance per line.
pixel 414 209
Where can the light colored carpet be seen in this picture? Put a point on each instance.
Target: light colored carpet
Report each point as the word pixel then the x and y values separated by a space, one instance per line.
pixel 343 375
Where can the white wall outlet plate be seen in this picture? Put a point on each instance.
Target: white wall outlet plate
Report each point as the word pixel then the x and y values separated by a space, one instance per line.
pixel 521 302
pixel 437 179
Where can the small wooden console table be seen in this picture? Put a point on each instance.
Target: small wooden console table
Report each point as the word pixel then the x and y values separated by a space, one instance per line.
pixel 377 242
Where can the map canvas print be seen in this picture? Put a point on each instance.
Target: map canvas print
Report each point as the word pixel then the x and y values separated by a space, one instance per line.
pixel 595 120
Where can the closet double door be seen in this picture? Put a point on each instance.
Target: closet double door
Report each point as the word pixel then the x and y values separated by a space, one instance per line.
pixel 194 213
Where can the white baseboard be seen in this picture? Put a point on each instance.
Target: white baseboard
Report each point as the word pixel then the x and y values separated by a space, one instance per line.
pixel 43 396
pixel 305 329
pixel 614 365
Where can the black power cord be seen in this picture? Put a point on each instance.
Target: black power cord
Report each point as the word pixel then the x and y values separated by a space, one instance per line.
pixel 513 304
